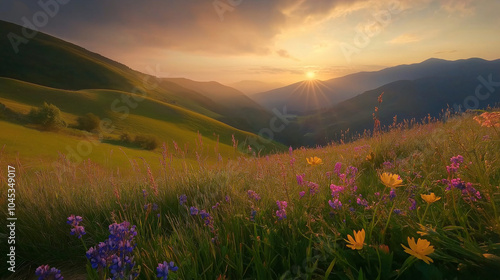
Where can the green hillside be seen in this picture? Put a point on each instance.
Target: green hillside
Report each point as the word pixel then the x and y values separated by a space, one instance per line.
pixel 52 62
pixel 149 117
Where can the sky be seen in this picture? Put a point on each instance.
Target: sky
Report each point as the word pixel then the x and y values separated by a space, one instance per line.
pixel 281 41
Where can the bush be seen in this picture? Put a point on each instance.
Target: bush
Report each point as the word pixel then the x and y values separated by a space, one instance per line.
pixel 88 122
pixel 48 116
pixel 146 142
pixel 126 138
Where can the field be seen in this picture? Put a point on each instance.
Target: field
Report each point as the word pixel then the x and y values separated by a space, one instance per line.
pixel 281 216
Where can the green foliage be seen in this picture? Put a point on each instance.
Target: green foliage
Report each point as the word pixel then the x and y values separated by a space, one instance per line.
pixel 47 116
pixel 88 122
pixel 309 243
pixel 147 142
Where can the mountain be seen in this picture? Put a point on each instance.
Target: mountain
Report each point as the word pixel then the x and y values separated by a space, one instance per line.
pixel 233 105
pixel 331 92
pixel 250 87
pixel 406 99
pixel 79 81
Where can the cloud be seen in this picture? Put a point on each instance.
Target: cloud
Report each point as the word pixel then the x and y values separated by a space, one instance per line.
pixel 446 52
pixel 404 39
pixel 461 7
pixel 285 54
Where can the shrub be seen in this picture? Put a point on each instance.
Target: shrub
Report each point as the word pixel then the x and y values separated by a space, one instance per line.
pixel 147 142
pixel 48 116
pixel 126 138
pixel 88 122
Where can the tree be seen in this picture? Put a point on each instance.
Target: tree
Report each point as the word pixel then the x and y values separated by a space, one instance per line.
pixel 48 116
pixel 88 122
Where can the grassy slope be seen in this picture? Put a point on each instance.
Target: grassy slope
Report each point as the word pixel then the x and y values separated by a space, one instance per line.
pixel 168 122
pixel 309 240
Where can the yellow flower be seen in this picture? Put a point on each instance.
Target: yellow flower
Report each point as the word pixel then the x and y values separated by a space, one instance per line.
pixel 370 157
pixel 425 230
pixel 420 250
pixel 314 161
pixel 430 198
pixel 357 242
pixel 391 180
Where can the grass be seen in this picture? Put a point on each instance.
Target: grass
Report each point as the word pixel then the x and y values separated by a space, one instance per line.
pixel 245 239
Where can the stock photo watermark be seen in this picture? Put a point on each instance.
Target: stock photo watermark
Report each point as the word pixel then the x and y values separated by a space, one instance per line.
pixel 277 124
pixel 11 218
pixel 221 7
pixel 48 9
pixel 364 33
pixel 483 91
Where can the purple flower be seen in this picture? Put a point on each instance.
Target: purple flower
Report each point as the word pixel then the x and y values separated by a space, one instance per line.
pixel 193 210
pixel 281 213
pixel 302 193
pixel 397 211
pixel 352 171
pixel 163 269
pixel 362 202
pixel 155 206
pixel 216 205
pixel 77 230
pixel 45 272
pixel 336 190
pixel 335 204
pixel 183 199
pixel 290 151
pixel 388 165
pixel 115 254
pixel 337 168
pixel 392 194
pixel 253 195
pixel 300 179
pixel 253 213
pixel 228 199
pixel 144 193
pixel 413 203
pixel 313 188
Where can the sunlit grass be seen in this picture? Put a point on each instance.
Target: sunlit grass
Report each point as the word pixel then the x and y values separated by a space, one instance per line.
pixel 249 241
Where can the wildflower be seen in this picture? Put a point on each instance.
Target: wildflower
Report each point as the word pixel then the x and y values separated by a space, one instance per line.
pixel 397 211
pixel 47 272
pixel 337 168
pixel 370 156
pixel 314 161
pixel 290 151
pixel 216 205
pixel 253 195
pixel 313 188
pixel 155 206
pixel 228 199
pixel 413 203
pixel 357 242
pixel 77 230
pixel 163 269
pixel 300 179
pixel 302 193
pixel 292 161
pixel 144 193
pixel 488 119
pixel 430 198
pixel 193 210
pixel 392 194
pixel 281 213
pixel 420 249
pixel 362 202
pixel 384 248
pixel 336 190
pixel 183 199
pixel 391 180
pixel 388 165
pixel 425 230
pixel 115 253
pixel 253 213
pixel 335 204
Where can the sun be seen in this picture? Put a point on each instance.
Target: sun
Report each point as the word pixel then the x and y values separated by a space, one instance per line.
pixel 310 75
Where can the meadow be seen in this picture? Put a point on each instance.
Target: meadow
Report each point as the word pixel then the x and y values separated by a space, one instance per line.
pixel 419 201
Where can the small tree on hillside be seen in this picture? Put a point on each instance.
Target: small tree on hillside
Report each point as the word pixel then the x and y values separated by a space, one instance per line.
pixel 48 116
pixel 88 122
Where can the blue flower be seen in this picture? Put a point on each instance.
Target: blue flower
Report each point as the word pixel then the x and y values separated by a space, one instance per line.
pixel 183 199
pixel 163 269
pixel 193 210
pixel 45 272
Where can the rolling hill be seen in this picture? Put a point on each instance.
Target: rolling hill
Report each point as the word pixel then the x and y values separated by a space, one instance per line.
pixel 303 98
pixel 49 61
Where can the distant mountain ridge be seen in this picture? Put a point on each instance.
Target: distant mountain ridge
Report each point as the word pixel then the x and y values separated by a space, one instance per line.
pixel 336 90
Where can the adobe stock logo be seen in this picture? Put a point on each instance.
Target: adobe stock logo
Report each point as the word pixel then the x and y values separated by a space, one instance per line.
pixel 40 19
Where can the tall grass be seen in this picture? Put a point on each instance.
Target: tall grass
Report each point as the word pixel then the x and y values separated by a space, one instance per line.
pixel 248 240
